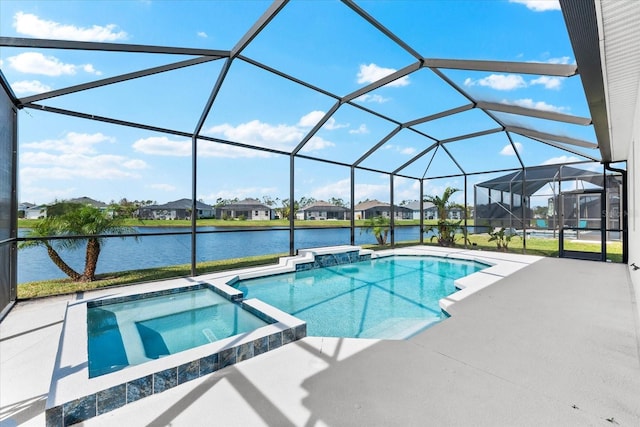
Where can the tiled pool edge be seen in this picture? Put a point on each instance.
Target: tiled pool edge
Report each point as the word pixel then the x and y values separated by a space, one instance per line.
pixel 97 399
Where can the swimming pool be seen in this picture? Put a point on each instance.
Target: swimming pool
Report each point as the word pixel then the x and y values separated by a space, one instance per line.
pixel 134 331
pixel 386 298
pixel 75 396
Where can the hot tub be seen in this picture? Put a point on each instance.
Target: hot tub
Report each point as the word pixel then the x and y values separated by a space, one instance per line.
pixel 137 351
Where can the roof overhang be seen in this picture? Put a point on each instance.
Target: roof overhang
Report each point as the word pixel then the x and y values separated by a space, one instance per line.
pixel 606 42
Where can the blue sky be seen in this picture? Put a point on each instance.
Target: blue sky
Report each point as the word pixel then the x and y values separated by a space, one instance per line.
pixel 321 42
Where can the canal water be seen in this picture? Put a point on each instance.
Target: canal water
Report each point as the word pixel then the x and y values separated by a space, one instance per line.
pixel 118 254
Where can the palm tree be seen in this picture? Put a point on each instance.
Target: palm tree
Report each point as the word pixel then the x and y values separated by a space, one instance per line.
pixel 81 220
pixel 446 229
pixel 379 226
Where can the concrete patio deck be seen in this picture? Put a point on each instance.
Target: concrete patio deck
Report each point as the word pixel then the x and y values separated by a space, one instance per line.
pixel 555 343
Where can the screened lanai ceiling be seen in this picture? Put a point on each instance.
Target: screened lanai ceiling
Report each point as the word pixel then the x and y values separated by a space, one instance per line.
pixel 402 88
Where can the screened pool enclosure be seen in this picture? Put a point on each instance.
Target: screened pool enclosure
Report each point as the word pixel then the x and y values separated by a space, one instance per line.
pixel 407 117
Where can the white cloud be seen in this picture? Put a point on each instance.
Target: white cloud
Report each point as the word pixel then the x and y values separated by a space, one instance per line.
pixel 30 87
pixel 311 119
pixel 32 25
pixel 507 150
pixel 135 164
pixel 371 191
pixel 538 105
pixel 37 63
pixel 70 166
pixel 499 82
pixel 513 81
pixel 162 187
pixel 240 193
pixel 258 133
pixel 372 72
pixel 399 149
pixel 73 142
pixel 561 159
pixel 539 5
pixel 372 98
pixel 561 60
pixel 202 34
pixel 74 157
pixel 404 189
pixel 362 129
pixel 340 189
pixel 216 149
pixel 163 146
pixel 88 68
pixel 39 195
pixel 331 124
pixel 316 144
pixel 279 137
pixel 548 82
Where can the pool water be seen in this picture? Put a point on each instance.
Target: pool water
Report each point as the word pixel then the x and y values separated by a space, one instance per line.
pixel 387 298
pixel 133 332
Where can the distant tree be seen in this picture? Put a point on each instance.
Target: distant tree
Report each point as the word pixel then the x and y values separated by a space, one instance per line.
pixel 127 208
pixel 379 226
pixel 224 202
pixel 78 220
pixel 269 201
pixel 285 210
pixel 337 202
pixel 58 208
pixel 305 201
pixel 540 211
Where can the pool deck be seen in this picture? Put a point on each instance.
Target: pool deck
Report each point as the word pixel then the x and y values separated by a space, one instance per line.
pixel 556 342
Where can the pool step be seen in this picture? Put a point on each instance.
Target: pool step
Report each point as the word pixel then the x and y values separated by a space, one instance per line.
pixel 208 333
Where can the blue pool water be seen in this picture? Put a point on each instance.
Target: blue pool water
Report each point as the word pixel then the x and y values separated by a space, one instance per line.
pixel 388 298
pixel 142 329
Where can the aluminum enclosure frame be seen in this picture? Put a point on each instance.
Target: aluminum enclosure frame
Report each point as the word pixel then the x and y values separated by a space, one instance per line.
pixel 587 70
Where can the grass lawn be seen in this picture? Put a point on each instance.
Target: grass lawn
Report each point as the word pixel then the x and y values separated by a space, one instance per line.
pixel 66 286
pixel 543 247
pixel 29 223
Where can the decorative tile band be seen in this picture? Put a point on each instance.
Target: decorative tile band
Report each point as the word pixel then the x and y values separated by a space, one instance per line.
pixel 128 298
pixel 331 260
pixel 119 395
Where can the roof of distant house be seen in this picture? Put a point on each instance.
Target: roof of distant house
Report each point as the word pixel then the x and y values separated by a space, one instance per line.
pixel 84 200
pixel 370 204
pixel 180 204
pixel 323 206
pixel 415 205
pixel 246 204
